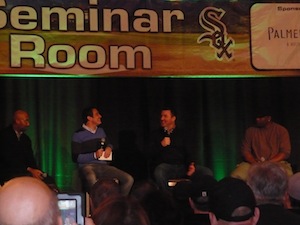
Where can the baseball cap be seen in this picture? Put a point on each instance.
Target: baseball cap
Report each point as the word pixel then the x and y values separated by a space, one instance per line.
pixel 200 191
pixel 262 112
pixel 294 186
pixel 198 188
pixel 228 195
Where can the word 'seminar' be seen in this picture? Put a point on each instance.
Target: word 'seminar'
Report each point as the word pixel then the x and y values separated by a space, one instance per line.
pixel 145 20
pixel 33 47
pixel 92 19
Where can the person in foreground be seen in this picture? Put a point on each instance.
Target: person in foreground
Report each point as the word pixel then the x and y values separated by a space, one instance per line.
pixel 16 155
pixel 195 194
pixel 263 142
pixel 199 199
pixel 232 202
pixel 89 143
pixel 101 191
pixel 269 183
pixel 28 201
pixel 293 198
pixel 169 153
pixel 120 210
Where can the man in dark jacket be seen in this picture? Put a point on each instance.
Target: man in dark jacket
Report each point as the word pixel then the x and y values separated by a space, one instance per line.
pixel 169 153
pixel 16 154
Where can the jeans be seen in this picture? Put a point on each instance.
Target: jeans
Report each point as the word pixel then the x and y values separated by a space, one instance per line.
pixel 92 172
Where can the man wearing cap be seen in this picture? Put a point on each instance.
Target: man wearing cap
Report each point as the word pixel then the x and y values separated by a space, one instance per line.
pixel 232 202
pixel 200 190
pixel 265 141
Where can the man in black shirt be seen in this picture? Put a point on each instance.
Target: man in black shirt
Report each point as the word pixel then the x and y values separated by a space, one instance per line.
pixel 171 158
pixel 16 155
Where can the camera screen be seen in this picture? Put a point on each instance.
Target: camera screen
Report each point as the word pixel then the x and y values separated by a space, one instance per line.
pixel 68 209
pixel 72 207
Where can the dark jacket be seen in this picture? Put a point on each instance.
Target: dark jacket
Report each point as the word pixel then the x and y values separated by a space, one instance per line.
pixel 15 155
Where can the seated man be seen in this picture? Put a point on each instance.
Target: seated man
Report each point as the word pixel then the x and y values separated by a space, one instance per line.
pixel 89 143
pixel 265 141
pixel 169 153
pixel 16 155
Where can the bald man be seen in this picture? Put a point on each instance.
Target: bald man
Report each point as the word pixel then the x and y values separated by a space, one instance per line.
pixel 16 155
pixel 28 201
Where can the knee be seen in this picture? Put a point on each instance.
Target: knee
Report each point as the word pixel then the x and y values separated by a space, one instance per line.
pixel 125 179
pixel 204 171
pixel 88 175
pixel 158 173
pixel 129 179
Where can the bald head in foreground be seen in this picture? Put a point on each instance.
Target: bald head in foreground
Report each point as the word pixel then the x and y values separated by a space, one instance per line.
pixel 26 200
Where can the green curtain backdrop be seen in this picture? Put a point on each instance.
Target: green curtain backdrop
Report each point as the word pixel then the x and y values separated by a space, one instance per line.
pixel 215 113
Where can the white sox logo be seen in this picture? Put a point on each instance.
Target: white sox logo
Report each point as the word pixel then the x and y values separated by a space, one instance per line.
pixel 216 32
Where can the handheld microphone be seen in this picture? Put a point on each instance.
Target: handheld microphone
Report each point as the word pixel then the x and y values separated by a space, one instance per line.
pixel 166 132
pixel 102 143
pixel 167 138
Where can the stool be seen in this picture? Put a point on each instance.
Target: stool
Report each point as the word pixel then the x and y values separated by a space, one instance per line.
pixel 173 182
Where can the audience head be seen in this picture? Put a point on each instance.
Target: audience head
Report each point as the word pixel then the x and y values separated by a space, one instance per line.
pixel 197 191
pixel 294 190
pixel 269 182
pixel 200 191
pixel 121 210
pixel 28 201
pixel 161 208
pixel 103 189
pixel 232 202
pixel 142 188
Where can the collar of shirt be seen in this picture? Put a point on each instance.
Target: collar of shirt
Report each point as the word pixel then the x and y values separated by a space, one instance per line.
pixel 18 134
pixel 169 132
pixel 89 129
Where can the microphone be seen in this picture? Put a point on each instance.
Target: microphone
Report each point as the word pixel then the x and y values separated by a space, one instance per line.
pixel 102 143
pixel 166 132
pixel 167 138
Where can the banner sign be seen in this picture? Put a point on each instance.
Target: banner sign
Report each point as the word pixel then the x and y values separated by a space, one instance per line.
pixel 187 38
pixel 275 38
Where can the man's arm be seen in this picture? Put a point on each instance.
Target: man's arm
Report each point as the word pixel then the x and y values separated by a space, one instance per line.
pixel 248 157
pixel 82 158
pixel 246 148
pixel 75 146
pixel 279 157
pixel 284 148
